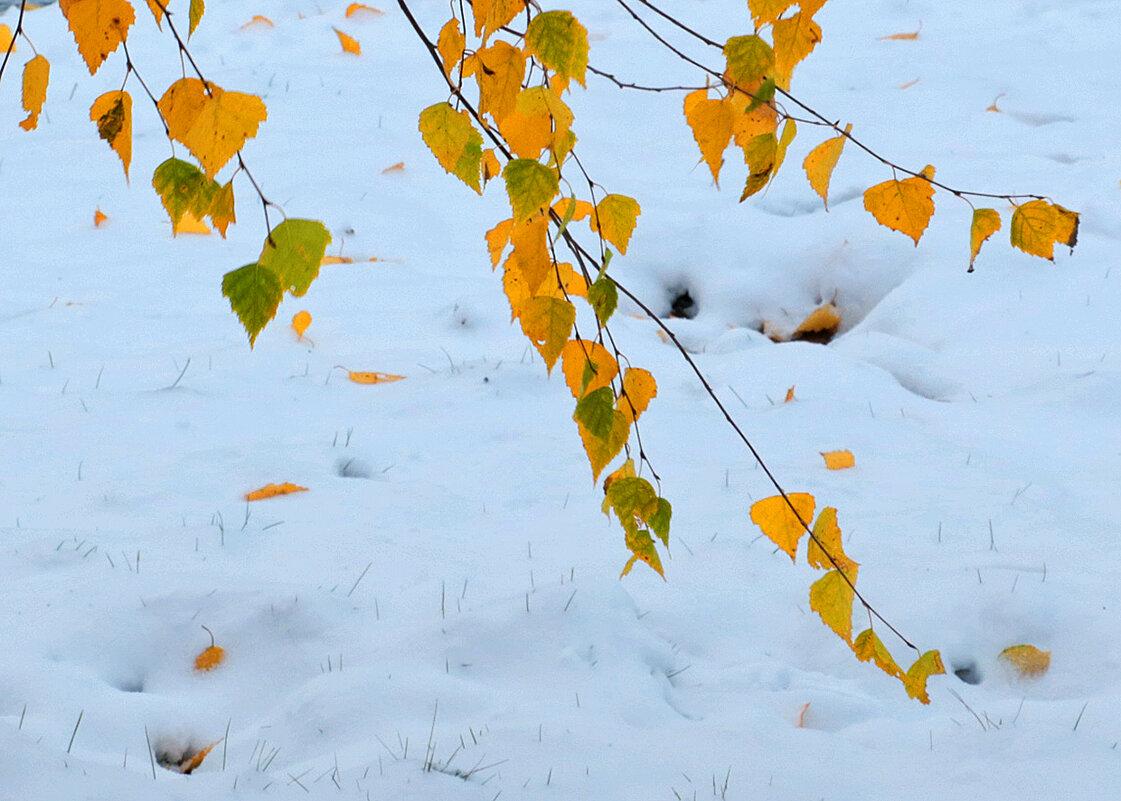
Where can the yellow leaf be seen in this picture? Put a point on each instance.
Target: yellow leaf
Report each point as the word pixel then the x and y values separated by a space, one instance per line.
pixel 99 217
pixel 869 648
pixel 490 15
pixel 795 38
pixel 214 126
pixel 712 122
pixel 639 388
pixel 531 253
pixel 820 162
pixel 927 665
pixel 986 222
pixel 362 8
pixel 157 12
pixel 490 165
pixel 820 326
pixel 764 11
pixel 789 396
pixel 826 542
pixel 349 43
pixel 780 523
pixel 373 378
pixel 398 167
pixel 36 75
pixel 838 460
pixel 272 490
pixel 1028 661
pixel 190 224
pixel 905 206
pixel 6 39
pixel 300 322
pixel 499 71
pixel 99 27
pixel 1066 226
pixel 746 125
pixel 547 322
pixel 1034 228
pixel 258 20
pixel 587 366
pixel 113 114
pixel 582 209
pixel 497 239
pixel 615 218
pixel 450 45
pixel 831 597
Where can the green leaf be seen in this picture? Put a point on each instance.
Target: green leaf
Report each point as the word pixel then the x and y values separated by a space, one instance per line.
pixel 604 298
pixel 294 251
pixel 659 521
pixel 195 15
pixel 560 42
pixel 764 94
pixel 531 187
pixel 596 412
pixel 254 292
pixel 750 58
pixel 455 142
pixel 183 187
pixel 632 496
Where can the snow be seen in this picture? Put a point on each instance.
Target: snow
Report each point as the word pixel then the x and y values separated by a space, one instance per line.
pixel 440 615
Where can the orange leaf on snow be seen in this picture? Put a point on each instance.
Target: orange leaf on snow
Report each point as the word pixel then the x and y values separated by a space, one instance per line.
pixel 349 43
pixel 372 378
pixel 272 490
pixel 898 37
pixel 838 460
pixel 337 260
pixel 789 396
pixel 300 322
pixel 99 217
pixel 398 167
pixel 361 9
pixel 191 761
pixel 258 20
pixel 1028 661
pixel 819 326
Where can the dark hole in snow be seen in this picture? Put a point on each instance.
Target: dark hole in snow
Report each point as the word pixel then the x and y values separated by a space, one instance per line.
pixel 968 672
pixel 682 304
pixel 353 468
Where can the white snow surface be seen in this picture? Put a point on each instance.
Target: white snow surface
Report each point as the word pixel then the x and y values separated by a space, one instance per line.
pixel 446 594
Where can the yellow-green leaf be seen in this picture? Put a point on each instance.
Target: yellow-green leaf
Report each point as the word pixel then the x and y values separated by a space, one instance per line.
pixel 454 141
pixel 99 27
pixel 1037 225
pixel 547 321
pixel 560 42
pixel 183 188
pixel 531 187
pixel 750 59
pixel 831 597
pixel 603 429
pixel 198 8
pixel 641 545
pixel 820 162
pixel 795 38
pixel 113 114
pixel 986 222
pixel 780 523
pixel 759 153
pixel 905 206
pixel 293 251
pixel 869 648
pixel 615 219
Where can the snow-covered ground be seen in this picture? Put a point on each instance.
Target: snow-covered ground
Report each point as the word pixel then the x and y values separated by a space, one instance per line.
pixel 446 594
